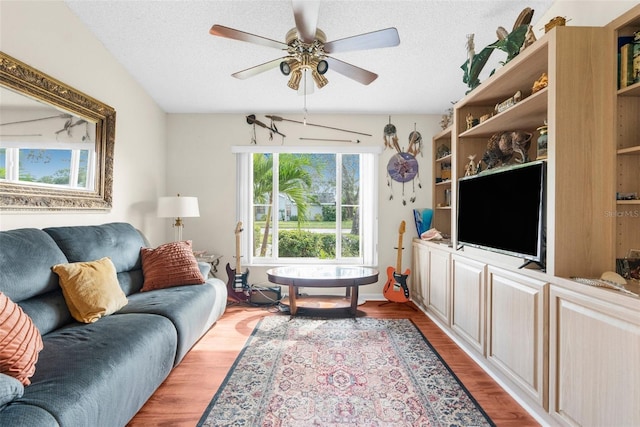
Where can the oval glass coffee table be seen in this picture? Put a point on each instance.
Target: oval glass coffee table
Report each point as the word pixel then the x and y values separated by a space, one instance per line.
pixel 323 276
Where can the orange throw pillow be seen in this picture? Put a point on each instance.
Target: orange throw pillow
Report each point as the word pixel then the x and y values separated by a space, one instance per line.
pixel 20 342
pixel 171 264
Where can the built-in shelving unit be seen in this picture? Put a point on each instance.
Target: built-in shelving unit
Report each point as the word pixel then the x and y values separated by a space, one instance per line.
pixel 627 143
pixel 578 185
pixel 442 192
pixel 556 344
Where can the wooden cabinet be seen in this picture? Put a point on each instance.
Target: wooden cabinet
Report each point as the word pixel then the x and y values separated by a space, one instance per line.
pixel 468 301
pixel 577 106
pixel 627 141
pixel 442 192
pixel 594 351
pixel 439 289
pixel 432 261
pixel 420 274
pixel 517 330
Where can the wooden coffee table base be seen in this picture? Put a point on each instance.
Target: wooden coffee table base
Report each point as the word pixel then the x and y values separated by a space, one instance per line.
pixel 323 302
pixel 326 276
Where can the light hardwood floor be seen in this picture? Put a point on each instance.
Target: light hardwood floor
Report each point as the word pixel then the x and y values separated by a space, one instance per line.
pixel 184 396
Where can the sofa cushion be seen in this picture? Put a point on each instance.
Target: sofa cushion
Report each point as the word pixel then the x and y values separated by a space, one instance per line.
pixel 99 374
pixel 171 264
pixel 10 390
pixel 20 342
pixel 26 257
pixel 48 311
pixel 90 289
pixel 193 309
pixel 119 241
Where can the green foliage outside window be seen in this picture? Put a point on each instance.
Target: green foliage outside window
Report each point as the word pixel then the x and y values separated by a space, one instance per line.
pixel 307 244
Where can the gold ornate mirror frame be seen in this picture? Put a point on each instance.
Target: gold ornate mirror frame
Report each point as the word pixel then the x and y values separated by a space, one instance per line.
pixel 21 78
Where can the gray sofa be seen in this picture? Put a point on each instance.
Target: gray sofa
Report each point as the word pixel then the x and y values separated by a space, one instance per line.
pixel 98 374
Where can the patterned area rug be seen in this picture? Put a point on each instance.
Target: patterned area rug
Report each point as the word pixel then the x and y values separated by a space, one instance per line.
pixel 341 372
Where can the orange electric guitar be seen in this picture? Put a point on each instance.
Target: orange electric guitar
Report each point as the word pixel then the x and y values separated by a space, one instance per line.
pixel 396 289
pixel 237 287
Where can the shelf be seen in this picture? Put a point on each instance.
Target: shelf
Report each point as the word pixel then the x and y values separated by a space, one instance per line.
pixel 446 183
pixel 629 150
pixel 627 202
pixel 443 207
pixel 528 114
pixel 445 133
pixel 517 75
pixel 444 159
pixel 633 90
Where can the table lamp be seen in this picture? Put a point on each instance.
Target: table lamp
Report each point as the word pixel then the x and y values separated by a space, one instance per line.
pixel 178 207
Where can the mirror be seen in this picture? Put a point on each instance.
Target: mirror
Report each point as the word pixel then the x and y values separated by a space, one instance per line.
pixel 56 143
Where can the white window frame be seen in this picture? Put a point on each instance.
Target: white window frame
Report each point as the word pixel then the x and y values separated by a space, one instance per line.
pixel 368 201
pixel 12 166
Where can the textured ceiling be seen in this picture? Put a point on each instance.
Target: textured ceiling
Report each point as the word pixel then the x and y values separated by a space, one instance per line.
pixel 167 48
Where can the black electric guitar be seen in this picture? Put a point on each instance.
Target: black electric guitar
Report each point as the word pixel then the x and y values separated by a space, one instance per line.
pixel 396 289
pixel 237 287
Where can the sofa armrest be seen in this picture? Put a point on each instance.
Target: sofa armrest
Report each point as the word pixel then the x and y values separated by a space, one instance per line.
pixel 10 390
pixel 205 268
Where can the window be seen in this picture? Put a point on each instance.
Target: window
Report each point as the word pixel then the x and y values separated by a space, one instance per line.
pixel 67 165
pixel 301 205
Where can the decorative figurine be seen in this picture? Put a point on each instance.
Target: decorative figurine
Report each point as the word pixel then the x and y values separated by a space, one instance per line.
pixel 443 151
pixel 502 146
pixel 470 121
pixel 472 168
pixel 541 83
pixel 505 105
pixel 447 118
pixel 558 21
pixel 511 43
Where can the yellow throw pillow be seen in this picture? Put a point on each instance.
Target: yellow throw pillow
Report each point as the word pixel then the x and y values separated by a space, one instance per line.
pixel 91 289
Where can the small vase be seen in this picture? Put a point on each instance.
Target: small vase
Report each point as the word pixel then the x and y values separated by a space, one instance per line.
pixel 542 142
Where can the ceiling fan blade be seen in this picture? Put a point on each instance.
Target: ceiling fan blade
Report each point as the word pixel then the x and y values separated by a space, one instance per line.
pixel 250 72
pixel 230 33
pixel 373 40
pixel 305 13
pixel 355 73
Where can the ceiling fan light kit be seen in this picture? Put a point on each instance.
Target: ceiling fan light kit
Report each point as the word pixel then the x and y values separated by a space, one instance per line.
pixel 307 49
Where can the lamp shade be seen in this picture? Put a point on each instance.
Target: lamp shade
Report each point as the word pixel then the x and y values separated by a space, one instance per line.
pixel 178 207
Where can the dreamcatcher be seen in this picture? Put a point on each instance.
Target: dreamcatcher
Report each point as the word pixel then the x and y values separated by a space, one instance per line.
pixel 403 166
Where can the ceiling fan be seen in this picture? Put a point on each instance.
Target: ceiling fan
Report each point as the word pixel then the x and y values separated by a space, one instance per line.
pixel 307 49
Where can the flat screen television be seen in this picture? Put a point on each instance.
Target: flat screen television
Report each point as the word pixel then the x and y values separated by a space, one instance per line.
pixel 503 210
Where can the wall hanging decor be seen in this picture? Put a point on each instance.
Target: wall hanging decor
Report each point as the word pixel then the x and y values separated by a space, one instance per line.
pixel 403 166
pixel 251 119
pixel 305 123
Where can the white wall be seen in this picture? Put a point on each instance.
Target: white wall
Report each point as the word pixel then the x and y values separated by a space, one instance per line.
pixel 47 36
pixel 583 13
pixel 201 164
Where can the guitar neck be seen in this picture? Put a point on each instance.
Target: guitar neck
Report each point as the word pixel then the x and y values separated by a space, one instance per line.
pixel 399 256
pixel 238 264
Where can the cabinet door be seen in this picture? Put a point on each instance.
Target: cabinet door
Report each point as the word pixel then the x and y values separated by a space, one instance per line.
pixel 516 330
pixel 420 274
pixel 438 286
pixel 594 351
pixel 468 312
